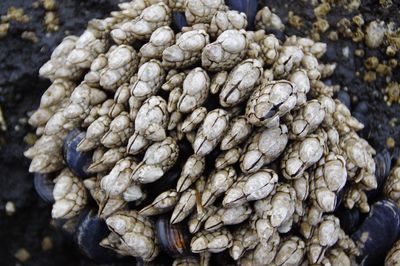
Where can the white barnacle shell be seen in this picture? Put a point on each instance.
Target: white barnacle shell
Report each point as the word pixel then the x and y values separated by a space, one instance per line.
pixel 196 87
pixel 152 119
pixel 187 49
pixel 228 50
pixel 211 132
pixel 241 82
pixel 214 242
pixel 158 159
pixel 227 20
pixel 271 101
pixel 69 195
pixel 251 187
pixel 263 148
pixel 201 11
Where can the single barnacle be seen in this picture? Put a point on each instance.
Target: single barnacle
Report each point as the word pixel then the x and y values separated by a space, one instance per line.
pixel 197 219
pixel 160 39
pixel 118 187
pixel 191 171
pixel 300 79
pixel 105 159
pixel 228 216
pixel 202 11
pixel 270 102
pixel 263 254
pixel 327 179
pixel 308 118
pixel 163 203
pixel 239 130
pixel 98 110
pixel 289 58
pixel 325 235
pixel 227 20
pixel 131 234
pixel 121 101
pixel 152 118
pixel 211 132
pixel 227 158
pixel 244 239
pixel 174 79
pixel 173 99
pixel 119 131
pixel 94 133
pixel 343 121
pixel 158 159
pixel 269 49
pixel 196 87
pixel 187 49
pixel 218 182
pixel 356 197
pixel 121 65
pixel 251 187
pixel 69 195
pixel 265 19
pixel 54 97
pixel 392 185
pixel 58 58
pixel 359 161
pixel 300 155
pixel 193 120
pixel 214 242
pixel 226 52
pixel 290 252
pixel 185 205
pixel 263 148
pixel 241 82
pixel 275 212
pixel 310 65
pixel 149 79
pixel 141 28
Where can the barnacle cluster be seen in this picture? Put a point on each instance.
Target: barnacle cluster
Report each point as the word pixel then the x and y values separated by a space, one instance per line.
pixel 229 132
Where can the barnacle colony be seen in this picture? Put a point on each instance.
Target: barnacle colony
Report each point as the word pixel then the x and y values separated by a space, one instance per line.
pixel 233 129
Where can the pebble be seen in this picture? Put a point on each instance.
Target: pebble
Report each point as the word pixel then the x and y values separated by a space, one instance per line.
pixel 22 255
pixel 10 208
pixel 47 243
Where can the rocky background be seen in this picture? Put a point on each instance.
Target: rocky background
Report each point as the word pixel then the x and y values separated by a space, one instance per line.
pixel 30 30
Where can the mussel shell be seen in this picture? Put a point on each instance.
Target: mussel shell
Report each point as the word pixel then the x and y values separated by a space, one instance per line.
pixel 383 162
pixel 349 219
pixel 78 162
pixel 44 187
pixel 249 7
pixel 378 232
pixel 89 232
pixel 344 97
pixel 178 21
pixel 173 238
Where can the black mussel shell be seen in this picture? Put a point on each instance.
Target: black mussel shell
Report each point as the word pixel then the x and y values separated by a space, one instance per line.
pixel 349 219
pixel 44 187
pixel 249 7
pixel 378 232
pixel 173 238
pixel 89 232
pixel 383 162
pixel 78 162
pixel 178 21
pixel 344 97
